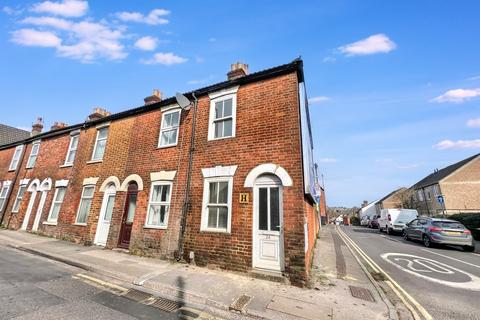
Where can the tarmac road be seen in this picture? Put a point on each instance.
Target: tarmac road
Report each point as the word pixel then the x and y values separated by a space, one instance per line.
pixel 444 280
pixel 36 288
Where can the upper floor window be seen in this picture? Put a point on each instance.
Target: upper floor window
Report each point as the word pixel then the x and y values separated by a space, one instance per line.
pixel 159 204
pixel 223 109
pixel 72 150
pixel 16 158
pixel 100 144
pixel 32 158
pixel 169 128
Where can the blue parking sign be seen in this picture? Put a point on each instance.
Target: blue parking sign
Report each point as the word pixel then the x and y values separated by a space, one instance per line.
pixel 440 199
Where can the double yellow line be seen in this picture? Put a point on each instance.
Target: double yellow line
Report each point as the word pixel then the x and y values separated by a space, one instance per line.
pixel 412 305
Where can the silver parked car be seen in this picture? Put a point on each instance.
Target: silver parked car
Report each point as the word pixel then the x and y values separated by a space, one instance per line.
pixel 439 231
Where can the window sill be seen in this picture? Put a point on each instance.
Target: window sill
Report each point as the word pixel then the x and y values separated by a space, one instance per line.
pixel 15 211
pixel 49 223
pixel 219 231
pixel 94 161
pixel 155 227
pixel 80 224
pixel 223 138
pixel 11 170
pixel 167 146
pixel 66 165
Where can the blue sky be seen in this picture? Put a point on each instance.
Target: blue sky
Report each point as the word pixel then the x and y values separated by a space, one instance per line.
pixel 394 87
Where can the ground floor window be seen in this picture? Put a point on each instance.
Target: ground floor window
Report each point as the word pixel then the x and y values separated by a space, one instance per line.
pixel 56 204
pixel 85 203
pixel 159 204
pixel 18 200
pixel 217 204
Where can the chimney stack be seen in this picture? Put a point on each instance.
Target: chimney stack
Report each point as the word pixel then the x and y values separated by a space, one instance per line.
pixel 98 113
pixel 365 203
pixel 154 98
pixel 37 126
pixel 58 125
pixel 237 70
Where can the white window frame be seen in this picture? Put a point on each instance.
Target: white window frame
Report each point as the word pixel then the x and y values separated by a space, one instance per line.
pixel 16 158
pixel 6 187
pixel 80 204
pixel 33 155
pixel 96 142
pixel 163 203
pixel 206 202
pixel 70 149
pixel 162 129
pixel 420 195
pixel 56 202
pixel 19 199
pixel 215 97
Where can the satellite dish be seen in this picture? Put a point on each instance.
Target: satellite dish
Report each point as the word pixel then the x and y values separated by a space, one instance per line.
pixel 183 101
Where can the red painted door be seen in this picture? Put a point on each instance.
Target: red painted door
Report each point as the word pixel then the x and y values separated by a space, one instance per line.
pixel 128 216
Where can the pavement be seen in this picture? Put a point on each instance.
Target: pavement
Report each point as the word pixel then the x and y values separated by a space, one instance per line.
pixel 214 292
pixel 444 281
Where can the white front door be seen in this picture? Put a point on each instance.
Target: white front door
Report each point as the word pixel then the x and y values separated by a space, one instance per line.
pixel 105 217
pixel 268 224
pixel 38 215
pixel 29 210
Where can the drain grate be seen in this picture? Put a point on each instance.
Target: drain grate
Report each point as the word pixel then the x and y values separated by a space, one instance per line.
pixel 361 293
pixel 240 303
pixel 137 295
pixel 166 305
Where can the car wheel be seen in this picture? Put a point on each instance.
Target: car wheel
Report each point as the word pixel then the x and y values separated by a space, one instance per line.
pixel 427 242
pixel 388 230
pixel 469 248
pixel 405 236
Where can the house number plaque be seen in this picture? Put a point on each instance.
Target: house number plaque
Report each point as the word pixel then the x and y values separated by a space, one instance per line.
pixel 244 197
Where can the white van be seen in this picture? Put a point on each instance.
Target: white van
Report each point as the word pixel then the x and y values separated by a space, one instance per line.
pixel 394 220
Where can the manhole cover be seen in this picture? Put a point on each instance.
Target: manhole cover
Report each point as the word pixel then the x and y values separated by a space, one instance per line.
pixel 137 295
pixel 240 303
pixel 361 293
pixel 166 305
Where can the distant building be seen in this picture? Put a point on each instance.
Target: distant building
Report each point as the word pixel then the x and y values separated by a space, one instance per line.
pixel 368 210
pixel 459 184
pixel 390 201
pixel 11 135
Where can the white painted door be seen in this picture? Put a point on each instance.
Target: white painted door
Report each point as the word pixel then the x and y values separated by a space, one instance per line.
pixel 268 224
pixel 105 217
pixel 29 209
pixel 38 215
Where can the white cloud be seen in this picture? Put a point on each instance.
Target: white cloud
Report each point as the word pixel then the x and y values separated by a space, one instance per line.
pixel 201 81
pixel 10 11
pixel 65 8
pixel 146 43
pixel 167 59
pixel 85 41
pixel 35 38
pixel 457 95
pixel 319 99
pixel 328 160
pixel 473 123
pixel 153 18
pixel 378 43
pixel 459 144
pixel 329 59
pixel 474 78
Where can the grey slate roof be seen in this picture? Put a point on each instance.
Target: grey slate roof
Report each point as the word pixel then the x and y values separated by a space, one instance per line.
pixel 435 177
pixel 10 134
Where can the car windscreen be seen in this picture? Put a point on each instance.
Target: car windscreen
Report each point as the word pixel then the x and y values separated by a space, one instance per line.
pixel 448 225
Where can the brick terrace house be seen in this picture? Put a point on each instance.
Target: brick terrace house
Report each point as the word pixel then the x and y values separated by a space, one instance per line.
pixel 459 184
pixel 390 201
pixel 245 201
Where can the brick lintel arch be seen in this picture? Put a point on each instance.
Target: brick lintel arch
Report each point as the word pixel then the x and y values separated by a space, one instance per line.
pixel 130 178
pixel 110 180
pixel 268 168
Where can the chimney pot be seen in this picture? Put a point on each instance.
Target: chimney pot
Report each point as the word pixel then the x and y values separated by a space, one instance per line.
pixel 98 113
pixel 154 98
pixel 237 70
pixel 37 126
pixel 58 125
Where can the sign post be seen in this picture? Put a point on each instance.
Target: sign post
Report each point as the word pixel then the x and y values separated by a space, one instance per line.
pixel 441 200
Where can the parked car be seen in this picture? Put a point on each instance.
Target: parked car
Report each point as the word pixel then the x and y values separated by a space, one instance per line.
pixel 374 222
pixel 365 221
pixel 394 220
pixel 434 231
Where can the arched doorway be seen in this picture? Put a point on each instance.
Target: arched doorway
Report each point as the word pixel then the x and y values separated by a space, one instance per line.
pixel 32 188
pixel 45 187
pixel 105 216
pixel 268 223
pixel 128 215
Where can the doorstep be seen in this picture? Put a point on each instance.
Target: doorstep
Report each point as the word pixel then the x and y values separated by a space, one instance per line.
pixel 270 275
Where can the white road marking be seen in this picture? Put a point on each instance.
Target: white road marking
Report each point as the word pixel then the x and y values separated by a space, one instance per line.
pixel 458 260
pixel 473 284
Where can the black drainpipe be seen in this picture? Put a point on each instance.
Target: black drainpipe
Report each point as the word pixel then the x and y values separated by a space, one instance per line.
pixel 12 185
pixel 186 203
pixel 425 200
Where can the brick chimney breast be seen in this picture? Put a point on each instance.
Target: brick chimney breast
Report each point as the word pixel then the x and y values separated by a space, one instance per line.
pixel 154 98
pixel 237 70
pixel 58 125
pixel 37 126
pixel 98 113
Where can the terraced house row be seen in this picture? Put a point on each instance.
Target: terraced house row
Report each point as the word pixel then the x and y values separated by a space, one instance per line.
pixel 227 181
